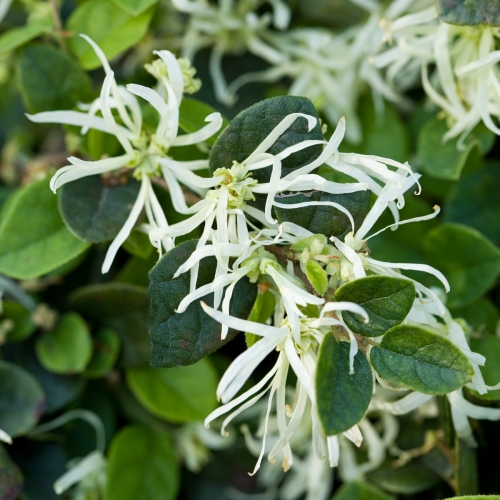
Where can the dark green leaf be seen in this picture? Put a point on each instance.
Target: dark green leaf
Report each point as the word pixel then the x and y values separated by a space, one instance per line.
pixel 475 202
pixel 113 29
pixel 445 160
pixel 342 398
pixel 357 490
pixel 22 326
pixel 142 464
pixel 192 114
pixel 261 312
pixel 418 359
pixel 466 468
pixel 386 300
pixel 470 262
pixel 408 480
pixel 11 479
pixel 94 211
pixel 33 237
pixel 481 315
pixel 21 400
pixel 104 354
pixel 17 37
pixel 384 133
pixel 122 307
pixel 324 219
pixel 66 349
pixel 242 136
pixel 182 394
pixel 185 338
pixel 476 497
pixel 468 13
pixel 134 7
pixel 50 80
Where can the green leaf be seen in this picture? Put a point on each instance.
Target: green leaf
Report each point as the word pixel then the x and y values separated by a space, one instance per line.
pixel 50 80
pixel 357 490
pixel 113 29
pixel 242 136
pixel 475 202
pixel 139 245
pixel 410 479
pixel 21 400
pixel 470 262
pixel 122 307
pixel 11 478
pixel 17 37
pixel 489 347
pixel 179 339
pixel 476 497
pixel 182 394
pixel 481 315
pixel 135 7
pixel 142 464
pixel 443 159
pixel 342 398
pixel 386 300
pixel 317 276
pixel 22 326
pixel 384 133
pixel 192 114
pixel 262 310
pixel 104 354
pixel 95 212
pixel 33 237
pixel 469 13
pixel 325 220
pixel 67 348
pixel 466 473
pixel 418 359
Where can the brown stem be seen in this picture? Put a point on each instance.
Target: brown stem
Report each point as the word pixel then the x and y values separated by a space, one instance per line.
pixel 56 17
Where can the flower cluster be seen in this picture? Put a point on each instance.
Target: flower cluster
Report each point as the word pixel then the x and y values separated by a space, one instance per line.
pixel 302 270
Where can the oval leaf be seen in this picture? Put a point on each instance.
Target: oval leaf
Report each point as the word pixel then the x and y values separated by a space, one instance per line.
pixel 242 136
pixel 179 394
pixel 142 464
pixel 185 338
pixel 342 399
pixel 324 219
pixel 105 353
pixel 21 400
pixel 67 348
pixel 469 13
pixel 11 478
pixel 122 307
pixel 22 325
pixel 95 212
pixel 113 29
pixel 386 300
pixel 357 490
pixel 418 359
pixel 49 79
pixel 469 260
pixel 44 243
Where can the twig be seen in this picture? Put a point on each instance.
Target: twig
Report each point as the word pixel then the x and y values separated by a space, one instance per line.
pixel 56 17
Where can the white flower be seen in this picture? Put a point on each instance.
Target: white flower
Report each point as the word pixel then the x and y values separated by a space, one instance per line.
pixel 88 473
pixel 226 204
pixel 5 437
pixel 466 82
pixel 229 28
pixel 146 155
pixel 299 352
pixel 333 69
